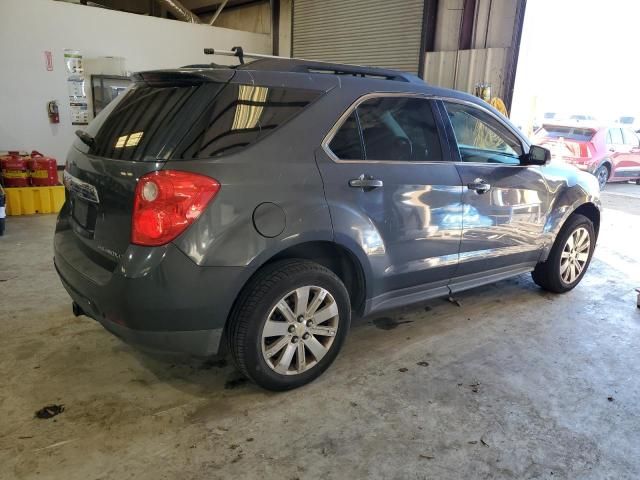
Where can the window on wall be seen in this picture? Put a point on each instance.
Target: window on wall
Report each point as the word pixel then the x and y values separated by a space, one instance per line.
pixel 392 129
pixel 481 137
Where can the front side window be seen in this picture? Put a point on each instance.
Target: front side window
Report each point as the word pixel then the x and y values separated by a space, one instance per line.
pixel 391 129
pixel 481 137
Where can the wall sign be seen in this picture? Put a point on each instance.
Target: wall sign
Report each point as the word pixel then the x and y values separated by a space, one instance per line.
pixel 48 60
pixel 76 87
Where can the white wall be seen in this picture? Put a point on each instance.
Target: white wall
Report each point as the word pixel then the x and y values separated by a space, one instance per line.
pixel 29 27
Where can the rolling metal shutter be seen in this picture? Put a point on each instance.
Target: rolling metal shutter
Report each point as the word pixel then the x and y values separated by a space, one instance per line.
pixel 377 33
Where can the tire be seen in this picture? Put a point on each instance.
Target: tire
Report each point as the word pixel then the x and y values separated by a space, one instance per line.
pixel 637 182
pixel 273 361
pixel 553 275
pixel 602 175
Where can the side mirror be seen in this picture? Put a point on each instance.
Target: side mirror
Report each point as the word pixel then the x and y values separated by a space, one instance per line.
pixel 537 156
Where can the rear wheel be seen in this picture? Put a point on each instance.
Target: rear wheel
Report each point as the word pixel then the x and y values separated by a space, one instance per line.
pixel 569 258
pixel 602 174
pixel 290 324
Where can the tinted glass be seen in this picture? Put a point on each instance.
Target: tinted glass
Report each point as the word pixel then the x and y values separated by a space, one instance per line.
pixel 481 137
pixel 346 144
pixel 240 116
pixel 396 128
pixel 568 133
pixel 615 136
pixel 142 121
pixel 630 137
pixel 627 120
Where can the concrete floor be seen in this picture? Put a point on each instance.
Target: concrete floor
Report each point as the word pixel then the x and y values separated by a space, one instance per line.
pixel 515 383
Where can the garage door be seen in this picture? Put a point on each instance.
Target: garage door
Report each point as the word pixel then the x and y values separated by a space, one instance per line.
pixel 379 33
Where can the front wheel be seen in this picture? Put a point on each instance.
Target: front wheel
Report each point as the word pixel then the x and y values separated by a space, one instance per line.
pixel 602 175
pixel 569 257
pixel 289 324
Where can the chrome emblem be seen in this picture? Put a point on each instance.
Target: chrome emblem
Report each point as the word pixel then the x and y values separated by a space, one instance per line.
pixel 80 189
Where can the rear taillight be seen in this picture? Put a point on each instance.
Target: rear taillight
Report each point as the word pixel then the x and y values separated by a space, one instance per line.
pixel 166 203
pixel 585 151
pixel 579 149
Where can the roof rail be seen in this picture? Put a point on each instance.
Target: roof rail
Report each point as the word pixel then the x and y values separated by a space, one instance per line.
pixel 276 63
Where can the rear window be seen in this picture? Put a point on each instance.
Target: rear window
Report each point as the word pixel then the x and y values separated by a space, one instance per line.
pixel 568 133
pixel 200 120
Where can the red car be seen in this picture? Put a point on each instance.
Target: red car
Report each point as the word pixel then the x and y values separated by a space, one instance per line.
pixel 612 154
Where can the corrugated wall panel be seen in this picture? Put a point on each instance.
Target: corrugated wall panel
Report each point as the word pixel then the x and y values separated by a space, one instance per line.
pixel 378 33
pixel 482 65
pixel 462 69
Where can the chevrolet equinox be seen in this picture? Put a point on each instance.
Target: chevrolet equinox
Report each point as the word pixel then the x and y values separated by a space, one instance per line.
pixel 252 209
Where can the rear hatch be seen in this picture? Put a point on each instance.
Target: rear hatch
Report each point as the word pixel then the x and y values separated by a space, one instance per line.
pixel 133 136
pixel 571 143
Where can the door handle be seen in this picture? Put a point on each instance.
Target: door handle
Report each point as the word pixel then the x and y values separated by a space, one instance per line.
pixel 365 182
pixel 479 185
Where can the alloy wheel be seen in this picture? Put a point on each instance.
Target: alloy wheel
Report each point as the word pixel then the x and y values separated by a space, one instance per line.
pixel 300 330
pixel 603 177
pixel 575 255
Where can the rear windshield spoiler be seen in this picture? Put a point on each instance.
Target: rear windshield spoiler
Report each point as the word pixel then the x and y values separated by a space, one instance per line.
pixel 181 77
pixel 560 126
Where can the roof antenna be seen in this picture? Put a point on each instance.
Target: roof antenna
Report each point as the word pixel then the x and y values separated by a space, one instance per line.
pixel 235 52
pixel 239 53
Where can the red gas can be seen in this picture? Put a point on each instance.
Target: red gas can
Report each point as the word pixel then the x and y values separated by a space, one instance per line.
pixel 14 170
pixel 43 170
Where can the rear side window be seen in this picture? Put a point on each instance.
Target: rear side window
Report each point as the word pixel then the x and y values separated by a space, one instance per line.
pixel 390 129
pixel 397 128
pixel 241 115
pixel 347 143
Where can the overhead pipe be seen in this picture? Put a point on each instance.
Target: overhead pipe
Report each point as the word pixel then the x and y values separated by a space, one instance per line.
pixel 215 15
pixel 180 11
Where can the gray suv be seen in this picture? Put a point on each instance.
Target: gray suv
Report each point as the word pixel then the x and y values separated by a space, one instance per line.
pixel 256 207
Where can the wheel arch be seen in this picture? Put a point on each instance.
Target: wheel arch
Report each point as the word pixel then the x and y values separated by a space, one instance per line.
pixel 341 260
pixel 590 211
pixel 605 162
pixel 555 224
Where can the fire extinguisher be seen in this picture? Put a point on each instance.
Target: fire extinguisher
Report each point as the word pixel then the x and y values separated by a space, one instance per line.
pixel 52 111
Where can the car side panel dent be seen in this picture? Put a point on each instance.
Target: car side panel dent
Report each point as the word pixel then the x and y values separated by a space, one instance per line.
pixel 570 190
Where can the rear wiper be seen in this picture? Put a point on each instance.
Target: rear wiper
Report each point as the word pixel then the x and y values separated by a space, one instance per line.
pixel 86 138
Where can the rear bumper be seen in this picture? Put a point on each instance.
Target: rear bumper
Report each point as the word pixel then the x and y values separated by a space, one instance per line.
pixel 172 306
